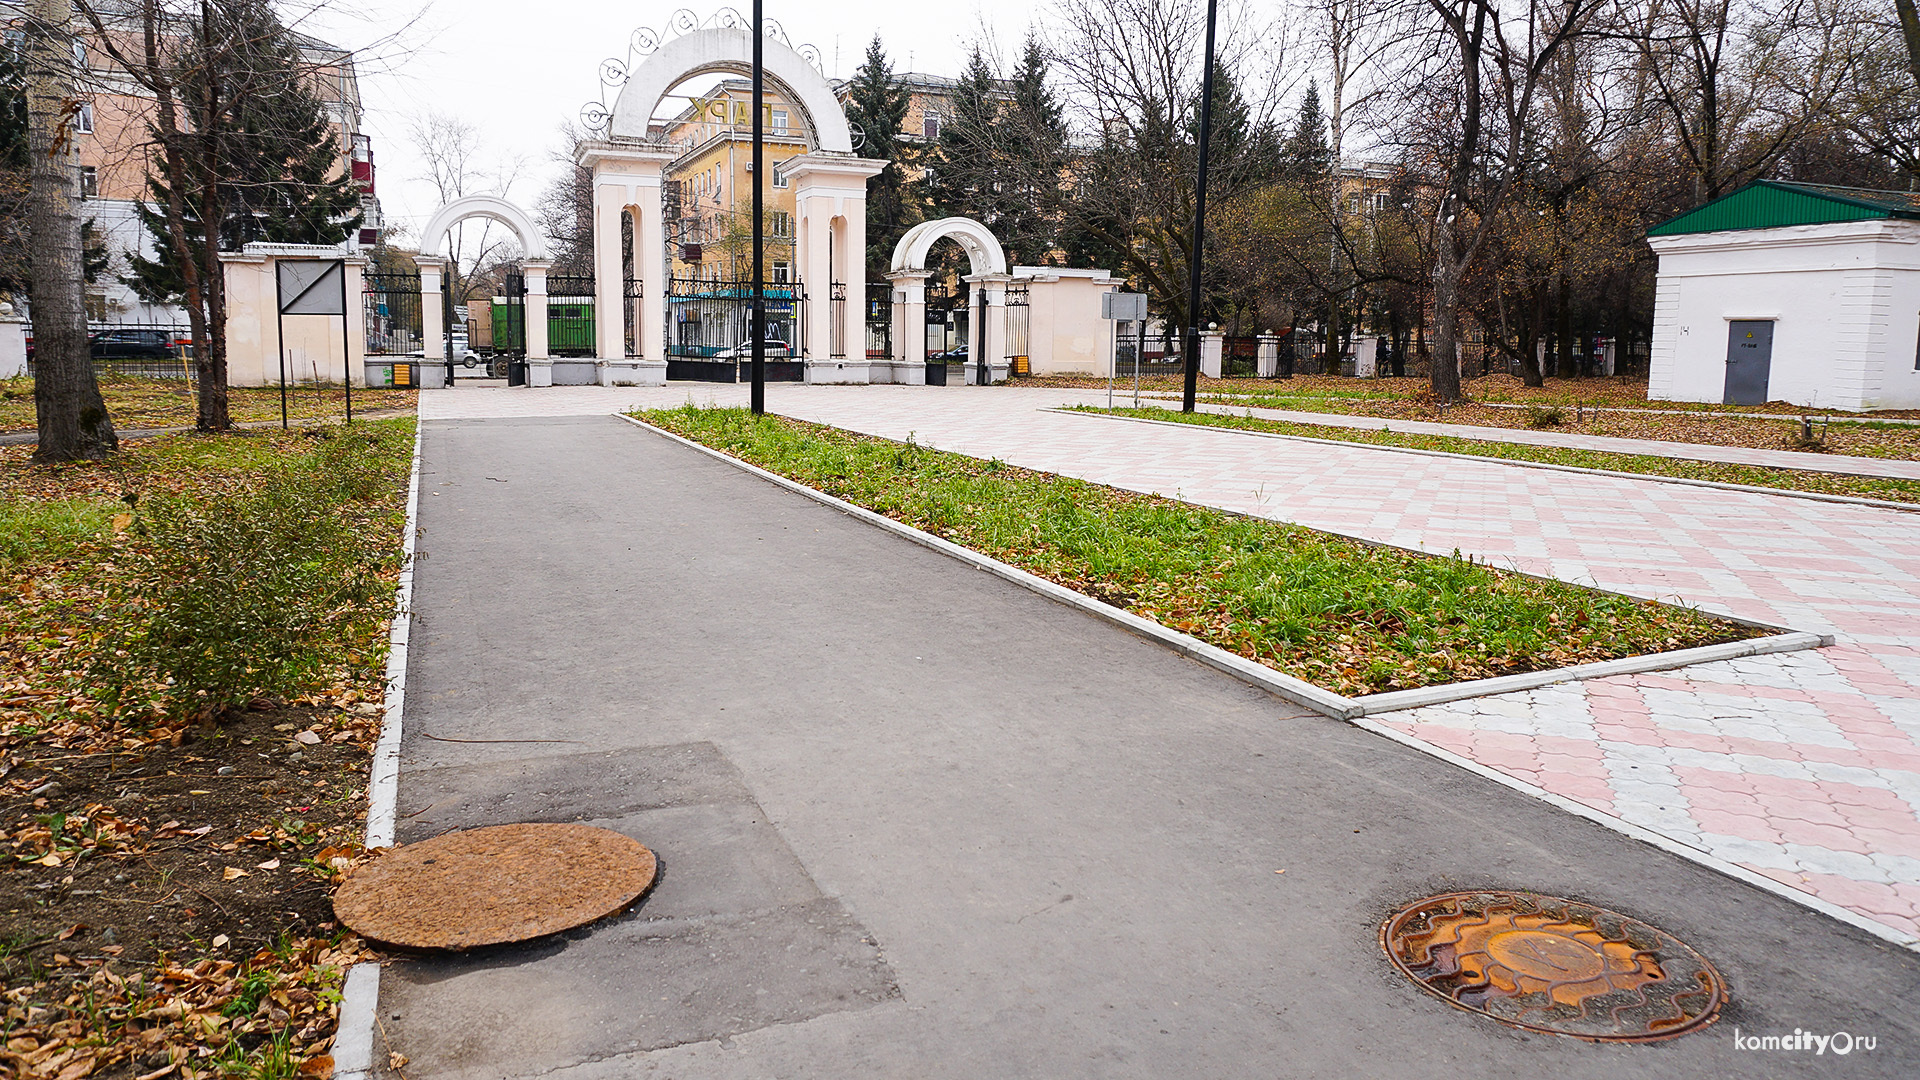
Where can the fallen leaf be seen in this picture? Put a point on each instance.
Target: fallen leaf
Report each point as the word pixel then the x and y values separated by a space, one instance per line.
pixel 231 873
pixel 270 864
pixel 307 738
pixel 396 1060
pixel 220 941
pixel 70 931
pixel 320 1066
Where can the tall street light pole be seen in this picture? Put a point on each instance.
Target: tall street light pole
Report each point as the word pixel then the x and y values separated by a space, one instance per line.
pixel 758 330
pixel 1199 221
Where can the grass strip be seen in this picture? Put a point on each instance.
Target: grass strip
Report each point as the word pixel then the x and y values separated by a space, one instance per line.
pixel 1863 487
pixel 1347 616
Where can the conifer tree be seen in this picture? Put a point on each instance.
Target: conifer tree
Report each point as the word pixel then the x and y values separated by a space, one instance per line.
pixel 1306 157
pixel 877 105
pixel 963 179
pixel 1034 160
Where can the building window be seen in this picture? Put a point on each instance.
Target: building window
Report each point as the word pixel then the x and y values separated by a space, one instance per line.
pixel 96 305
pixel 930 128
pixel 83 120
pixel 779 177
pixel 781 273
pixel 779 121
pixel 779 223
pixel 89 182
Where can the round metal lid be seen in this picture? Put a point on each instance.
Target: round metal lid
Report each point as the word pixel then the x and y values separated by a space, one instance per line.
pixel 1548 964
pixel 493 885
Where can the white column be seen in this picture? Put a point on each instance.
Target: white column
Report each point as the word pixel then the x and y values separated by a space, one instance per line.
pixel 1213 347
pixel 609 329
pixel 817 216
pixel 973 329
pixel 989 327
pixel 432 330
pixel 909 326
pixel 13 343
pixel 539 364
pixel 650 263
pixel 854 261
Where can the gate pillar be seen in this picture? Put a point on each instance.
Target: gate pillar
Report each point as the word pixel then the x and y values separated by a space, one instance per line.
pixel 433 330
pixel 539 364
pixel 627 181
pixel 909 326
pixel 828 186
pixel 987 326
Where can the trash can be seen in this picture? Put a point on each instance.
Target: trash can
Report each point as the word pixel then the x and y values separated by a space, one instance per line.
pixel 516 373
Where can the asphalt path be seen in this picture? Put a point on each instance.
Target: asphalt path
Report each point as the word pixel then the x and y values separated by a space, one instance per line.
pixel 916 821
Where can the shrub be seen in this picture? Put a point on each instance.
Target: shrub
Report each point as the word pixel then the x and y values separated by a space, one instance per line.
pixel 260 593
pixel 1545 416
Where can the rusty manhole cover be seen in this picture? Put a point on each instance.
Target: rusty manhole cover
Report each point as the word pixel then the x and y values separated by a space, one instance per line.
pixel 493 885
pixel 1553 965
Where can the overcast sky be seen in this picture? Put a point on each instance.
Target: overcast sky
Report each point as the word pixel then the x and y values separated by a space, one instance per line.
pixel 518 70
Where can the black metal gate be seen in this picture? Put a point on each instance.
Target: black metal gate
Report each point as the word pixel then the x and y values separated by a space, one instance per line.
pixel 390 303
pixel 1018 301
pixel 837 321
pixel 708 330
pixel 510 329
pixel 946 315
pixel 879 321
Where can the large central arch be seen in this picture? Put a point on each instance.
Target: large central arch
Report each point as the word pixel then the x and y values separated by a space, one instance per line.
pixel 830 207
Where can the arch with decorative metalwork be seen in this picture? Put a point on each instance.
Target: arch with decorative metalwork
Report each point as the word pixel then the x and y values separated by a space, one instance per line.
pixel 730 50
pixel 983 249
pixel 533 244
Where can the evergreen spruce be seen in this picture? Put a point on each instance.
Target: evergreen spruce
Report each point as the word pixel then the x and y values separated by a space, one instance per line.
pixel 1306 157
pixel 877 105
pixel 1035 162
pixel 964 179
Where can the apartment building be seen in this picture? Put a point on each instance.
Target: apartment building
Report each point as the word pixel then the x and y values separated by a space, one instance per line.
pixel 111 133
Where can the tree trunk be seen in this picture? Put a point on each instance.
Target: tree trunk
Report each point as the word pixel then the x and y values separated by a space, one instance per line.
pixel 1444 372
pixel 1563 328
pixel 73 421
pixel 211 365
pixel 1910 29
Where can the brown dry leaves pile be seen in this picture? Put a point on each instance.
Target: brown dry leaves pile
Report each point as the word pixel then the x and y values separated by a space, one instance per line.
pixel 136 403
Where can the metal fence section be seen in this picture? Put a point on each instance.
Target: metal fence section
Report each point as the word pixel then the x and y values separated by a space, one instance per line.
pixel 1019 304
pixel 390 303
pixel 879 320
pixel 1161 356
pixel 709 331
pixel 570 315
pixel 837 320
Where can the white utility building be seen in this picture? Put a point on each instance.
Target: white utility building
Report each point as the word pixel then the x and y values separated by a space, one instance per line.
pixel 1782 291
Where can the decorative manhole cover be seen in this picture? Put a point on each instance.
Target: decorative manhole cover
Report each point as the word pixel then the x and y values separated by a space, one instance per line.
pixel 493 885
pixel 1553 965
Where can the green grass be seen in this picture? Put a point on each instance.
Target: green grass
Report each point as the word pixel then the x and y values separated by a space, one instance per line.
pixel 34 529
pixel 1351 617
pixel 1864 487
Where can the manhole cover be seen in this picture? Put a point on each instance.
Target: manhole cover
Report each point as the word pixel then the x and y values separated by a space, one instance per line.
pixel 493 885
pixel 1560 966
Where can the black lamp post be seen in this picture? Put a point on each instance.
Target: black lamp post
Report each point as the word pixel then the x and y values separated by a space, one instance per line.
pixel 1199 221
pixel 758 397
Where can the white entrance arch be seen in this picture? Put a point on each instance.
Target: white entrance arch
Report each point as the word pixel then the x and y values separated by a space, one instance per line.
pixel 829 185
pixel 986 296
pixel 534 264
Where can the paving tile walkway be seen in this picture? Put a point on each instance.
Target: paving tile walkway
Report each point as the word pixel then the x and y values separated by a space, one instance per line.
pixel 1841 464
pixel 1803 767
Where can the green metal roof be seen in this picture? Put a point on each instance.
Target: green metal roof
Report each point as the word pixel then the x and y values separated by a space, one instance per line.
pixel 1768 204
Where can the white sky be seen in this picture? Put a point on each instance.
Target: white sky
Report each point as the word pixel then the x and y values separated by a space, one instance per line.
pixel 518 70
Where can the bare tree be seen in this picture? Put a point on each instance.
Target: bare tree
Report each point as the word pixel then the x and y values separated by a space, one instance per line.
pixel 73 421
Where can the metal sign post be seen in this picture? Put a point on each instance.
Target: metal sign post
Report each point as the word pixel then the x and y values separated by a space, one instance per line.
pixel 1119 307
pixel 313 287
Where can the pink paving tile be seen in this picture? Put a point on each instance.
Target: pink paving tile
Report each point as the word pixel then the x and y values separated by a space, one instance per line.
pixel 1867 896
pixel 1832 837
pixel 1744 826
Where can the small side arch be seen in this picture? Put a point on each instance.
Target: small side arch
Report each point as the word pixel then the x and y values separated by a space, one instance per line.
pixel 533 245
pixel 983 249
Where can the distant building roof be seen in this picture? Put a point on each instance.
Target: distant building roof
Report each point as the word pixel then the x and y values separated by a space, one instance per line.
pixel 1769 204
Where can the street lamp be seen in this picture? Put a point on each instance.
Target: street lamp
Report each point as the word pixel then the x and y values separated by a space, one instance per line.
pixel 758 395
pixel 1199 220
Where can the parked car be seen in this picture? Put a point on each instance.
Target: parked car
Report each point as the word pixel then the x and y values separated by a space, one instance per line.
pixel 130 344
pixel 951 356
pixel 776 350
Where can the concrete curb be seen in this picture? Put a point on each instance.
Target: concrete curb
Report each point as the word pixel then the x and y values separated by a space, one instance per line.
pixel 360 997
pixel 1298 691
pixel 1354 710
pixel 1816 496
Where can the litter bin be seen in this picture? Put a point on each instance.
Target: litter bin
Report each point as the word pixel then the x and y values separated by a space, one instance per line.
pixel 516 373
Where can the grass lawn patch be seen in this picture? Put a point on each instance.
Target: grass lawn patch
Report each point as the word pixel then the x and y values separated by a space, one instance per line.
pixel 1864 487
pixel 1350 617
pixel 137 403
pixel 192 646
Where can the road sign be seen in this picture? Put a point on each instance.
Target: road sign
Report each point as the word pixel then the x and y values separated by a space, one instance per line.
pixel 1123 306
pixel 312 286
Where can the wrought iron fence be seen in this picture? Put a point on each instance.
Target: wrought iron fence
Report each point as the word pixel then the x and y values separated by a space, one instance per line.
pixel 879 320
pixel 1019 305
pixel 144 350
pixel 837 321
pixel 390 306
pixel 709 329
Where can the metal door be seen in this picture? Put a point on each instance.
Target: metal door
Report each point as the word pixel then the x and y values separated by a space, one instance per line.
pixel 1749 361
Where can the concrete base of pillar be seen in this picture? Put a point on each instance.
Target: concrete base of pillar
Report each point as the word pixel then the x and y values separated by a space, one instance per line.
pixel 539 373
pixel 633 371
pixel 830 372
pixel 900 372
pixel 576 371
pixel 996 373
